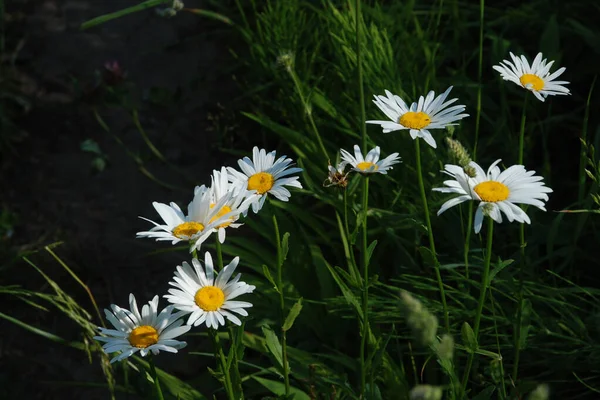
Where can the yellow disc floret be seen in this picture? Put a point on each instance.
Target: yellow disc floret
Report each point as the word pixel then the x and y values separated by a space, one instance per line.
pixel 366 166
pixel 187 229
pixel 262 182
pixel 415 120
pixel 224 210
pixel 209 298
pixel 492 191
pixel 143 336
pixel 532 81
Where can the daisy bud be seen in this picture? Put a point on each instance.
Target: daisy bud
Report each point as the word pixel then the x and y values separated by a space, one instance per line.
pixel 426 392
pixel 287 60
pixel 541 392
pixel 459 152
pixel 422 323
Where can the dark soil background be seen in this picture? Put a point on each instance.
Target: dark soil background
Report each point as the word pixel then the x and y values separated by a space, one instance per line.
pixel 180 77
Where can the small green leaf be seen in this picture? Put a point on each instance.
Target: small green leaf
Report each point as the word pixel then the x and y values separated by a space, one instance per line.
pixel 485 394
pixel 90 146
pixel 499 267
pixel 370 250
pixel 278 388
pixel 428 258
pixel 284 247
pixel 273 345
pixel 294 312
pixel 348 295
pixel 267 274
pixel 468 337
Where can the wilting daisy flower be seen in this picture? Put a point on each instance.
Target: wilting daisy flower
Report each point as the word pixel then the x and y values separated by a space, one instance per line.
pixel 148 331
pixel 336 176
pixel 209 299
pixel 265 175
pixel 221 188
pixel 204 217
pixel 428 113
pixel 536 78
pixel 369 164
pixel 496 191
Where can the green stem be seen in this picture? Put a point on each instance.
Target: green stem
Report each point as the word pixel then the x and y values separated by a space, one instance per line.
pixel 354 272
pixel 479 73
pixel 430 234
pixel 159 394
pixel 118 14
pixel 365 261
pixel 286 373
pixel 223 361
pixel 520 297
pixel 307 109
pixel 219 254
pixel 482 293
pixel 468 239
pixel 361 90
pixel 583 152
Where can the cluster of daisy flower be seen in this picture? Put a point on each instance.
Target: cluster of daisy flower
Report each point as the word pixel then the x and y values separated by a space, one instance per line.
pixel 497 192
pixel 200 294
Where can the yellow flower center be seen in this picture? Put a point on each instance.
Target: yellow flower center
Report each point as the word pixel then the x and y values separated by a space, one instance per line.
pixel 187 229
pixel 366 165
pixel 224 210
pixel 209 298
pixel 143 336
pixel 262 182
pixel 415 120
pixel 535 81
pixel 492 191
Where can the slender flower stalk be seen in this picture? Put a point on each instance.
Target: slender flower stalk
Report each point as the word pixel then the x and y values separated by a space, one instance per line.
pixel 482 293
pixel 159 394
pixel 223 361
pixel 286 372
pixel 520 296
pixel 361 90
pixel 430 234
pixel 479 73
pixel 365 261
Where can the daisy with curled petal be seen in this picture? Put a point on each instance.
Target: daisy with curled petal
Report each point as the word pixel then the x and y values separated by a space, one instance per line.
pixel 428 113
pixel 497 192
pixel 535 78
pixel 209 299
pixel 371 163
pixel 336 176
pixel 220 188
pixel 265 175
pixel 148 331
pixel 203 219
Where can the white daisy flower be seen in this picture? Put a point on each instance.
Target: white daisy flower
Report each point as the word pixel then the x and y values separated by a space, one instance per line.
pixel 496 191
pixel 209 299
pixel 428 113
pixel 265 175
pixel 369 164
pixel 536 78
pixel 220 188
pixel 148 331
pixel 204 217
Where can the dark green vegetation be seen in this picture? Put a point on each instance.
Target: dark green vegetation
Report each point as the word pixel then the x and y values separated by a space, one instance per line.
pixel 298 79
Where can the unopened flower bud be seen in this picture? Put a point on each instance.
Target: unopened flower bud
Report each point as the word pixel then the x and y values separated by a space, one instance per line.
pixel 426 392
pixel 445 348
pixel 287 60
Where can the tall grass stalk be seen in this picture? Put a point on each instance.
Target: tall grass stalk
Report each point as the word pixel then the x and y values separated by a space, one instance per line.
pixel 223 361
pixel 361 90
pixel 520 294
pixel 365 292
pixel 159 394
pixel 286 372
pixel 306 107
pixel 436 266
pixel 583 152
pixel 482 293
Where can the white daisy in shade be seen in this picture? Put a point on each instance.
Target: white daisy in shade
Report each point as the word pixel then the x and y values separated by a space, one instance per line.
pixel 371 163
pixel 220 188
pixel 428 113
pixel 207 297
pixel 148 331
pixel 204 217
pixel 535 78
pixel 265 175
pixel 497 192
pixel 336 176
